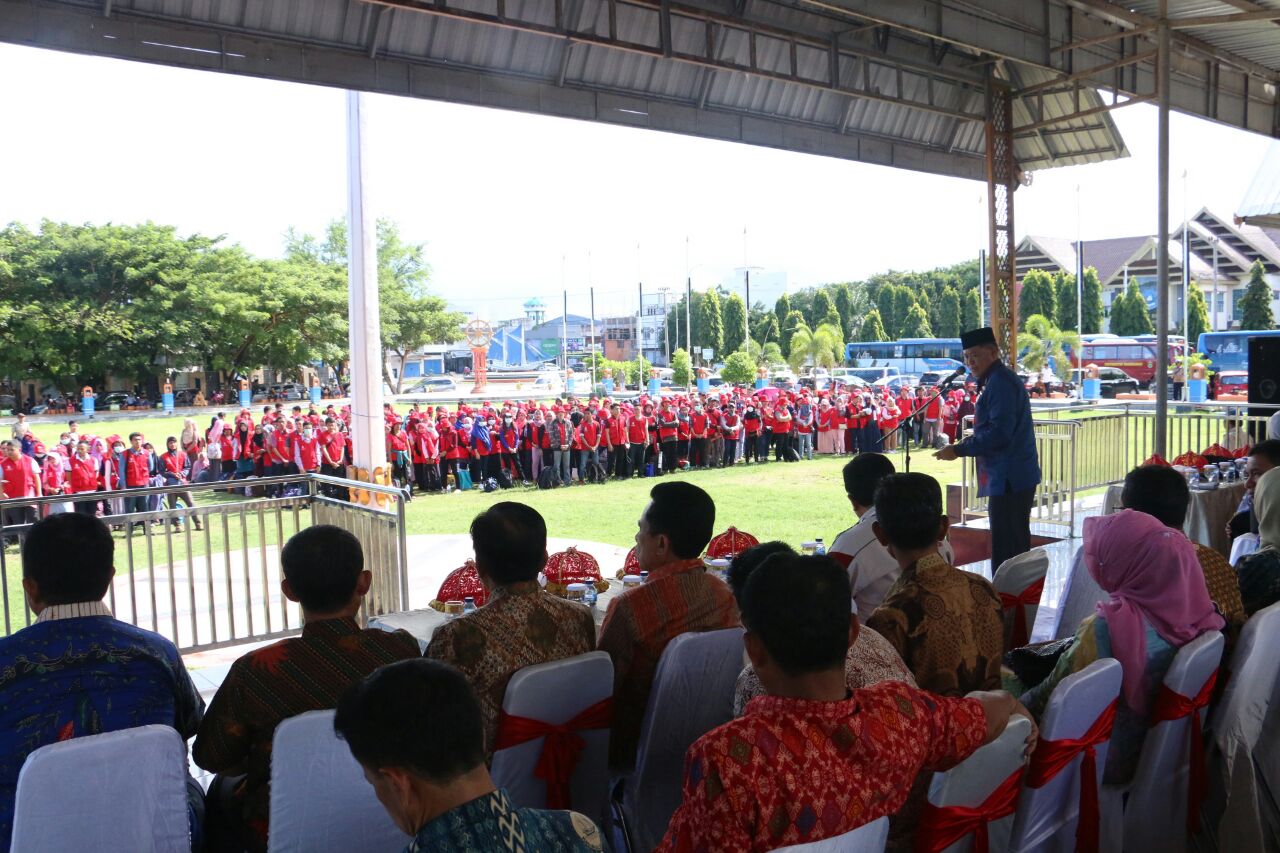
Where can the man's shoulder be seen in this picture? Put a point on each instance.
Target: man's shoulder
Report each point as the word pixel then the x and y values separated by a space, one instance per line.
pixel 96 629
pixel 564 826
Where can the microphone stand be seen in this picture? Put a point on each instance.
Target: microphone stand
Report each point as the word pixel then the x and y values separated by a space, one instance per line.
pixel 937 392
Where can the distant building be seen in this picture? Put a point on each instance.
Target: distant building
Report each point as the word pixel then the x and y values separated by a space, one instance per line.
pixel 564 336
pixel 620 337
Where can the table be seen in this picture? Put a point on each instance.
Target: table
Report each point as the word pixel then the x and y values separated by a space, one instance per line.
pixel 1207 516
pixel 422 624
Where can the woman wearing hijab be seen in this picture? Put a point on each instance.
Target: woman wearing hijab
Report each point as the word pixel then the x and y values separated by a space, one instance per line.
pixel 1260 571
pixel 1158 604
pixel 189 439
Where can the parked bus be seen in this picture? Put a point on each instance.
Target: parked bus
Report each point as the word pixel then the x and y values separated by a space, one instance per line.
pixel 1135 356
pixel 1230 350
pixel 911 356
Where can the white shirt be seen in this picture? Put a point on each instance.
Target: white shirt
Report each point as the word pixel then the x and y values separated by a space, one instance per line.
pixel 872 570
pixel 1273 426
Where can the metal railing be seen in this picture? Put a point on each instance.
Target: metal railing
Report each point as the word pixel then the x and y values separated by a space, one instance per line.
pixel 220 585
pixel 1055 497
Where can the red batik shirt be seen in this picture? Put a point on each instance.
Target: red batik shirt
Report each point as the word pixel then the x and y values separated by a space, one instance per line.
pixel 793 771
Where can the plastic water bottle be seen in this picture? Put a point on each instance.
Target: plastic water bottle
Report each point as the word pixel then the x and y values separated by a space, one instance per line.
pixel 589 597
pixel 644 577
pixel 819 549
pixel 468 605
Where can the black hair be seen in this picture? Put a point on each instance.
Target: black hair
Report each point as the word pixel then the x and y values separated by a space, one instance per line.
pixel 1268 450
pixel 909 509
pixel 134 435
pixel 417 714
pixel 799 608
pixel 322 564
pixel 510 541
pixel 70 556
pixel 863 473
pixel 685 514
pixel 1158 491
pixel 748 561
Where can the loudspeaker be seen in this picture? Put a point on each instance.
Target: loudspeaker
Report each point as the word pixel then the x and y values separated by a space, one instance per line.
pixel 1264 370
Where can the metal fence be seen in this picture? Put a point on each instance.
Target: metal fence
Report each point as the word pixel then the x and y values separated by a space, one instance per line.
pixel 1089 447
pixel 220 585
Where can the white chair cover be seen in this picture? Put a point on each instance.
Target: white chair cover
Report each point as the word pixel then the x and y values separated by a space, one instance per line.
pixel 1154 816
pixel 120 791
pixel 320 800
pixel 1242 747
pixel 1079 599
pixel 556 692
pixel 692 694
pixel 868 838
pixel 1015 575
pixel 1046 818
pixel 971 781
pixel 1242 546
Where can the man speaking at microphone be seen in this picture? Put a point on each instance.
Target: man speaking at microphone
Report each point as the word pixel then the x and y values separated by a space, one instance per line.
pixel 1003 445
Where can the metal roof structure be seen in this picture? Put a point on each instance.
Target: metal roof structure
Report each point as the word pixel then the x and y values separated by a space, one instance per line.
pixel 878 81
pixel 1261 204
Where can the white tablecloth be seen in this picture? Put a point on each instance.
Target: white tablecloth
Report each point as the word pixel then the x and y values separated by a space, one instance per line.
pixel 1207 516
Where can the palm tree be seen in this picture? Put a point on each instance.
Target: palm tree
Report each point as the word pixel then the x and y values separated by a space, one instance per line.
pixel 765 356
pixel 1043 343
pixel 817 348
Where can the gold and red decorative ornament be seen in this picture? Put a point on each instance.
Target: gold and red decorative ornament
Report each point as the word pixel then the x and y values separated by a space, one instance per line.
pixel 462 582
pixel 730 544
pixel 630 566
pixel 572 566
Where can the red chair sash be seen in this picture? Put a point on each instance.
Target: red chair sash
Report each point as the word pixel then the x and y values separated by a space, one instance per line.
pixel 1051 756
pixel 1174 706
pixel 942 826
pixel 1021 601
pixel 560 751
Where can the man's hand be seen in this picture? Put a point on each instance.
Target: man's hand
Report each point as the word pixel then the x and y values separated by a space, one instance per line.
pixel 1034 737
pixel 947 454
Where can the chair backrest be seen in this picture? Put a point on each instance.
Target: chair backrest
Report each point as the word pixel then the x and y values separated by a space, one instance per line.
pixel 320 800
pixel 1076 703
pixel 1014 577
pixel 1080 599
pixel 556 692
pixel 1156 809
pixel 692 694
pixel 868 838
pixel 971 781
pixel 124 790
pixel 1244 736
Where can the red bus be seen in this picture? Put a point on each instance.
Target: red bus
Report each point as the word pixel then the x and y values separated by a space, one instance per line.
pixel 1136 357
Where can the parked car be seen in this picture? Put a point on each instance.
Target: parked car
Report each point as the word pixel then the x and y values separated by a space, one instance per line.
pixel 434 385
pixel 895 383
pixel 116 398
pixel 1230 386
pixel 1114 381
pixel 185 397
pixel 1052 384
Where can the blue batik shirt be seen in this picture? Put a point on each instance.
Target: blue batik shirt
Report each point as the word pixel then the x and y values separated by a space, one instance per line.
pixel 78 671
pixel 489 824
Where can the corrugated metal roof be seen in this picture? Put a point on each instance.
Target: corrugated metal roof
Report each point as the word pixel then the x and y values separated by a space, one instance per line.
pixel 1261 204
pixel 1257 41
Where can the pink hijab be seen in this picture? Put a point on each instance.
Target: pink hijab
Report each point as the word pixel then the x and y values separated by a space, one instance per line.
pixel 1151 571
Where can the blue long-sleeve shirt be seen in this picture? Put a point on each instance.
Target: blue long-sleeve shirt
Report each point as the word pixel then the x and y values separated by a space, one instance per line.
pixel 1003 443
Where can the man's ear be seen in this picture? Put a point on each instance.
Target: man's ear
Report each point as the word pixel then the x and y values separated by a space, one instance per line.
pixel 756 652
pixel 879 532
pixel 287 589
pixel 944 528
pixel 364 582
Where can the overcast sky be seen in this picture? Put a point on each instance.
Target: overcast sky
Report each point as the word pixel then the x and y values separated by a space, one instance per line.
pixel 513 205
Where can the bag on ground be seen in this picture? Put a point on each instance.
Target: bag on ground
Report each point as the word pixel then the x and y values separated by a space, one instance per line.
pixel 548 479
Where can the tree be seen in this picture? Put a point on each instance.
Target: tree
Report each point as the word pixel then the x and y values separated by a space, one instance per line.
pixel 970 311
pixel 844 306
pixel 916 324
pixel 1129 315
pixel 815 347
pixel 948 314
pixel 1091 302
pixel 1037 297
pixel 1255 305
pixel 1197 315
pixel 739 369
pixel 765 356
pixel 822 304
pixel 708 327
pixel 884 302
pixel 1045 345
pixel 872 328
pixel 781 309
pixel 638 371
pixel 681 369
pixel 735 321
pixel 1065 295
pixel 766 330
pixel 903 301
pixel 794 321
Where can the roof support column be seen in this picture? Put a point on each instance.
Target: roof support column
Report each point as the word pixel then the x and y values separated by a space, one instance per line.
pixel 1162 238
pixel 364 336
pixel 1002 180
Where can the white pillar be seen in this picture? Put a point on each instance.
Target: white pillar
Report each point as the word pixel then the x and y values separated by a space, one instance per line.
pixel 364 336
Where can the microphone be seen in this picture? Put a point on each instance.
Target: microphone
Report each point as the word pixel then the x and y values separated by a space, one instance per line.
pixel 960 371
